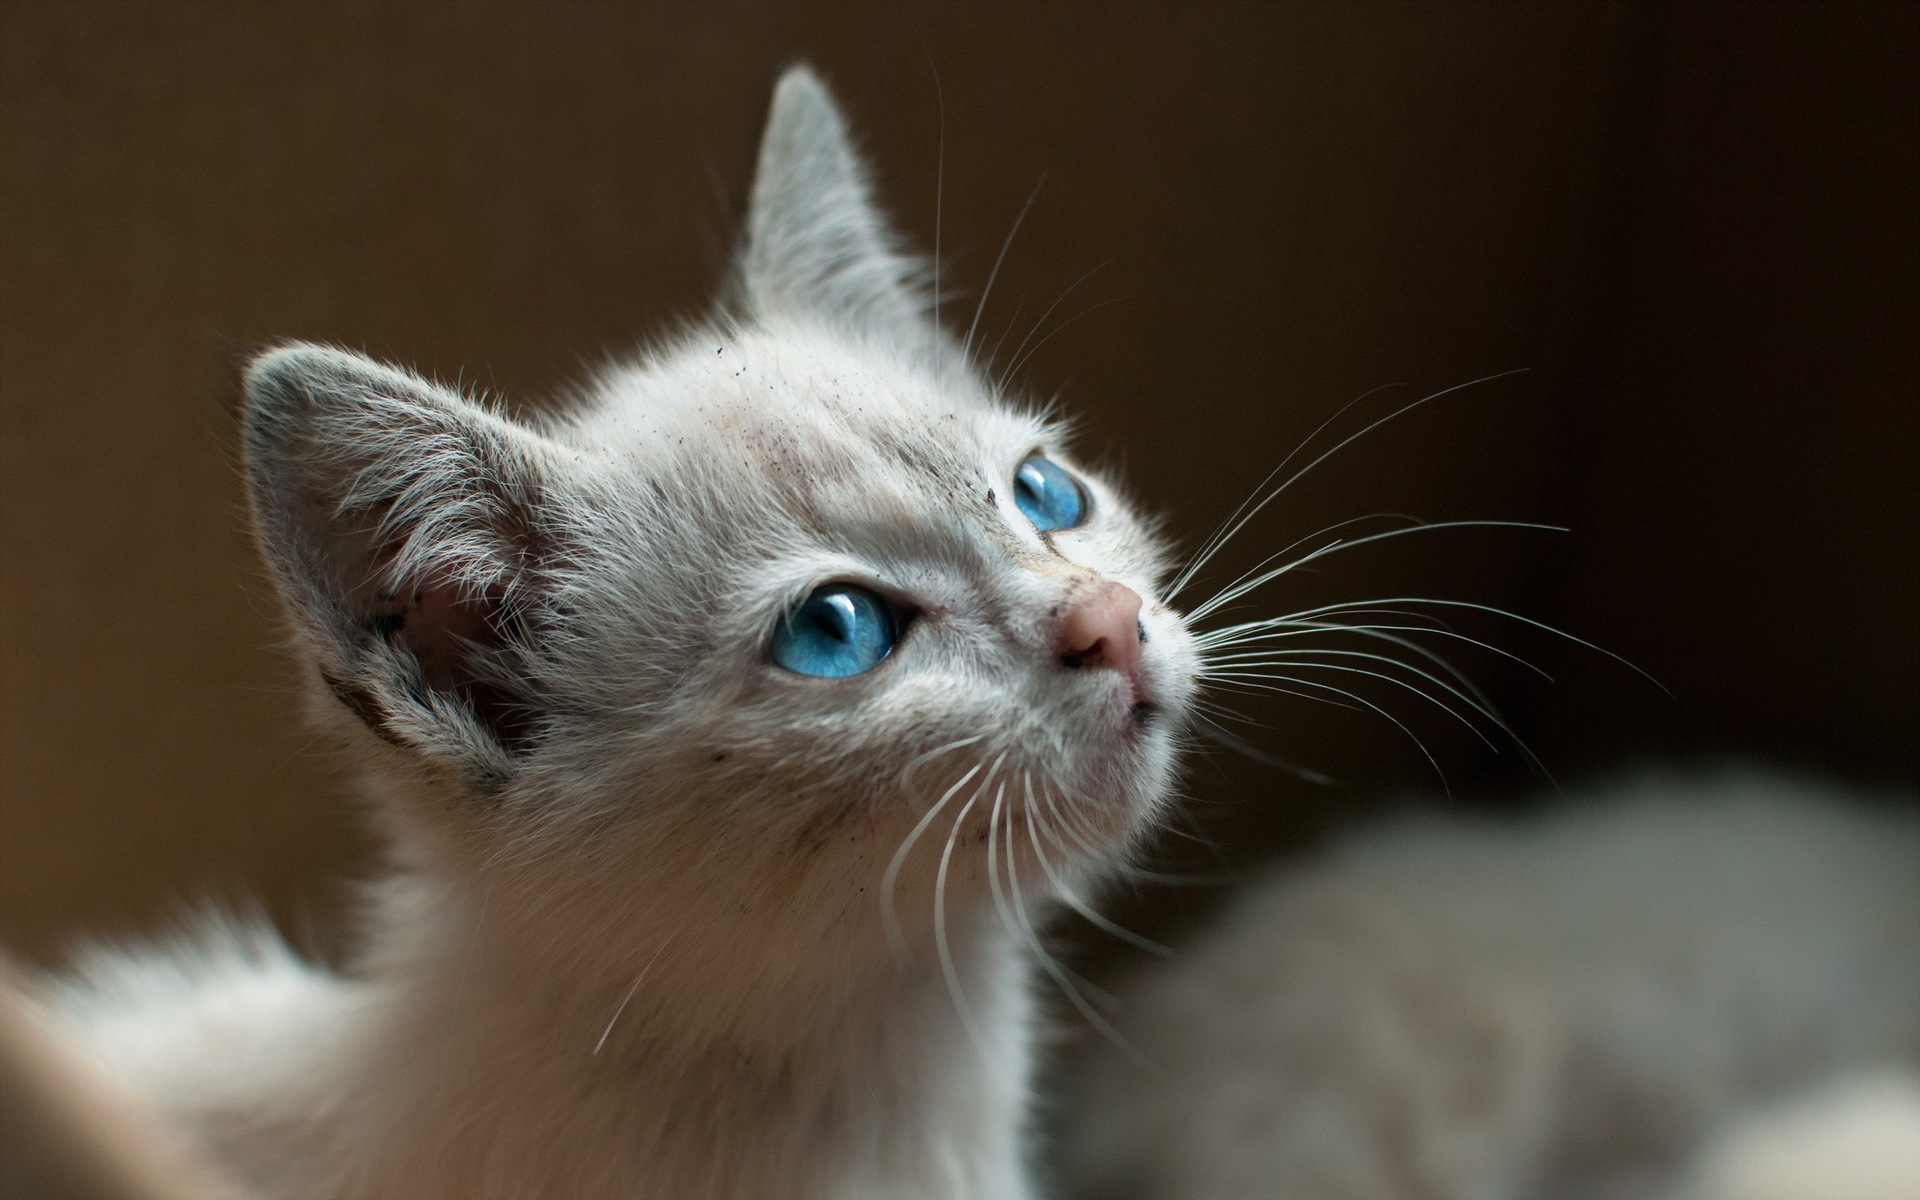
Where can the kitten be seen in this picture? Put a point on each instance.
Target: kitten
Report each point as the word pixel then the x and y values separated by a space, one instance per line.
pixel 1589 1006
pixel 729 732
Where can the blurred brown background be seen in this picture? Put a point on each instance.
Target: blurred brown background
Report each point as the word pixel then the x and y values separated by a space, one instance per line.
pixel 1694 225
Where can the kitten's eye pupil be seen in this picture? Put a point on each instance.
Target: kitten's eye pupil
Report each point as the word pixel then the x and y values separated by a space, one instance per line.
pixel 838 630
pixel 1048 495
pixel 834 621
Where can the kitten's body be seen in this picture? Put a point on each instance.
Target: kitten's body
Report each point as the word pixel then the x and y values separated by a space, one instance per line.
pixel 1566 1009
pixel 670 915
pixel 450 1072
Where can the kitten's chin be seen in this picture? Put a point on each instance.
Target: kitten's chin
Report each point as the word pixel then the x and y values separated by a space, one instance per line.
pixel 1136 769
pixel 1148 712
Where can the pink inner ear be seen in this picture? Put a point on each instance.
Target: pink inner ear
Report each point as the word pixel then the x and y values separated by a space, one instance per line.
pixel 438 624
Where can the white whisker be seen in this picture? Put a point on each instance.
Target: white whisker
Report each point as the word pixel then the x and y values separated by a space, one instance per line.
pixel 906 772
pixel 889 916
pixel 1241 522
pixel 1331 609
pixel 1233 524
pixel 624 1000
pixel 1259 684
pixel 1386 633
pixel 1269 651
pixel 1083 848
pixel 994 274
pixel 1302 659
pixel 993 867
pixel 942 947
pixel 1232 741
pixel 1243 585
pixel 1227 634
pixel 1234 681
pixel 1014 366
pixel 1323 531
pixel 1019 303
pixel 1018 351
pixel 1068 894
pixel 1048 963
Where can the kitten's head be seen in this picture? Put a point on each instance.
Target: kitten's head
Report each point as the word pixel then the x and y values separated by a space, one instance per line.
pixel 799 612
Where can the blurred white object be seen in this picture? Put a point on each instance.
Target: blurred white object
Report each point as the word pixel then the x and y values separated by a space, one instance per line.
pixel 68 1132
pixel 1858 1139
pixel 1566 1007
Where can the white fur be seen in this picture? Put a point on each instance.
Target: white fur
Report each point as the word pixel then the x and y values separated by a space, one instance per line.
pixel 1564 1008
pixel 664 919
pixel 1856 1139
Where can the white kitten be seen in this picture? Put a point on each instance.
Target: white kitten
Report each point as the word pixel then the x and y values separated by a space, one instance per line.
pixel 729 733
pixel 1566 1009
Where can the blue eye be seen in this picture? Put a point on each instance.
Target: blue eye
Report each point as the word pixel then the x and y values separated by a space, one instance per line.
pixel 1048 495
pixel 838 630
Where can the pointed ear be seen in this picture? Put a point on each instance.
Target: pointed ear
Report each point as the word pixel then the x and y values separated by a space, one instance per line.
pixel 405 526
pixel 815 245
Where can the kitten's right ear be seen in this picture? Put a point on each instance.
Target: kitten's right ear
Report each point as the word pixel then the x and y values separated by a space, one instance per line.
pixel 406 527
pixel 816 244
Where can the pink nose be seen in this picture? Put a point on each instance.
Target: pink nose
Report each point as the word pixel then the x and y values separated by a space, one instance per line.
pixel 1102 629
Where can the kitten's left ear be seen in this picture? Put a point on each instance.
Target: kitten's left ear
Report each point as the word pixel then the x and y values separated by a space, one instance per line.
pixel 816 247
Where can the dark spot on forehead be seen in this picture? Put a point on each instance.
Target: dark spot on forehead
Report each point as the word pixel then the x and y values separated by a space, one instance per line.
pixel 931 461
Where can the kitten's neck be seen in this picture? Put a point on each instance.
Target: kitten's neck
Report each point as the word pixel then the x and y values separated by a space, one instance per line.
pixel 555 1082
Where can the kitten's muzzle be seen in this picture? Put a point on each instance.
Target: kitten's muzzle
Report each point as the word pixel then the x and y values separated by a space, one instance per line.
pixel 1102 630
